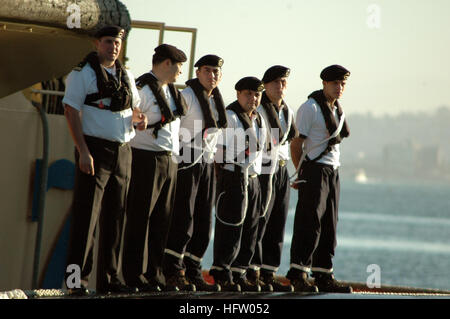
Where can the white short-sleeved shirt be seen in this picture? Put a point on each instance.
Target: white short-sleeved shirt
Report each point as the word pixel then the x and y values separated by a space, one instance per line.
pixel 167 139
pixel 233 138
pixel 113 126
pixel 311 123
pixel 192 125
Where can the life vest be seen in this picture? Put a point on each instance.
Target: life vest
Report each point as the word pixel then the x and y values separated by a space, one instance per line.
pixel 108 87
pixel 167 115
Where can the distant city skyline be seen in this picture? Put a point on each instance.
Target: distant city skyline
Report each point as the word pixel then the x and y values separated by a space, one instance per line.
pixel 396 50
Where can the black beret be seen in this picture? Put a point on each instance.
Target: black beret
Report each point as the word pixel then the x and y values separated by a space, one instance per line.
pixel 249 83
pixel 334 72
pixel 170 52
pixel 211 60
pixel 111 31
pixel 275 72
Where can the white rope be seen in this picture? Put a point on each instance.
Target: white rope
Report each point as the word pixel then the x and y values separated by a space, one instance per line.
pixel 274 159
pixel 245 172
pixel 244 211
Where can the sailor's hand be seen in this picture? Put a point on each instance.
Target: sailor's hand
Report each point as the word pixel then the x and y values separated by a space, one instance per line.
pixel 139 118
pixel 86 163
pixel 296 184
pixel 142 125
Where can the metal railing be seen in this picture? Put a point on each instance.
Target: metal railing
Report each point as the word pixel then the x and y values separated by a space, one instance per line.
pixel 162 28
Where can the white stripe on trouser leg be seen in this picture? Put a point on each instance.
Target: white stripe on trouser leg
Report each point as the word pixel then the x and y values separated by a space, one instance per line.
pixel 193 257
pixel 254 267
pixel 173 253
pixel 217 268
pixel 324 270
pixel 238 270
pixel 269 268
pixel 302 268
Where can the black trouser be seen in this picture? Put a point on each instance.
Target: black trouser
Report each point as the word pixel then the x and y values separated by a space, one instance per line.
pixel 190 230
pixel 234 245
pixel 271 226
pixel 316 215
pixel 149 211
pixel 100 197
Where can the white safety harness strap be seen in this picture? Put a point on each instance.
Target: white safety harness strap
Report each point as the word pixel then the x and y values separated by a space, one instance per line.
pixel 245 173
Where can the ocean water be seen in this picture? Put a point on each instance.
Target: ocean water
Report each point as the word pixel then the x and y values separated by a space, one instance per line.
pixel 404 228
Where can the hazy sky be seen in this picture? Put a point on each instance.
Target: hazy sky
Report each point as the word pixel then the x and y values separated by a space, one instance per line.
pixel 398 51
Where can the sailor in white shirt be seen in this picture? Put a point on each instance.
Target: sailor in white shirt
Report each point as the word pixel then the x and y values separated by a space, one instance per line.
pixel 154 171
pixel 100 105
pixel 275 185
pixel 322 126
pixel 190 230
pixel 239 198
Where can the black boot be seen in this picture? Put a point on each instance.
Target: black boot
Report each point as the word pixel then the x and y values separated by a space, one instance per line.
pixel 149 286
pixel 327 283
pixel 301 284
pixel 278 285
pixel 224 280
pixel 227 285
pixel 79 292
pixel 194 275
pixel 177 282
pixel 116 287
pixel 247 285
pixel 254 277
pixel 202 285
